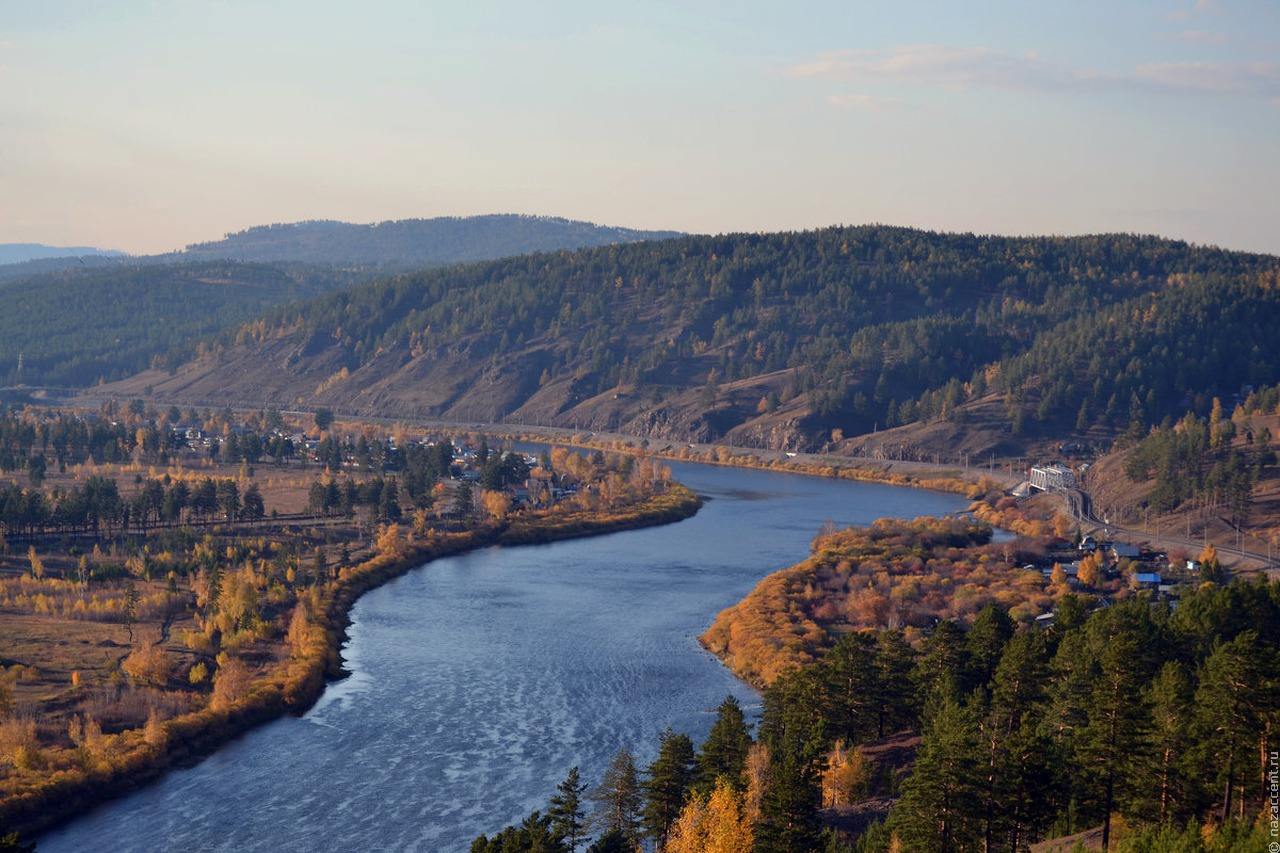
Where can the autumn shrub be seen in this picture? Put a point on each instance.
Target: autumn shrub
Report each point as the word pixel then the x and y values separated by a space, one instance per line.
pixel 198 674
pixel 123 706
pixel 18 743
pixel 91 744
pixel 230 682
pixel 154 732
pixel 148 663
pixel 892 574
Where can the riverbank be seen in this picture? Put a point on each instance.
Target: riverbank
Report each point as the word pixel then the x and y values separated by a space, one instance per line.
pixel 297 681
pixel 974 483
pixel 970 482
pixel 938 477
pixel 944 478
pixel 896 573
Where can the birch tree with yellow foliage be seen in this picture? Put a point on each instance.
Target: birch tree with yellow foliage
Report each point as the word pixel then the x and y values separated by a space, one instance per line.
pixel 715 824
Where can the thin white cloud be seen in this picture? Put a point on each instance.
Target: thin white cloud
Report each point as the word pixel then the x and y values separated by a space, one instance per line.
pixel 1243 78
pixel 943 65
pixel 981 67
pixel 1200 37
pixel 861 101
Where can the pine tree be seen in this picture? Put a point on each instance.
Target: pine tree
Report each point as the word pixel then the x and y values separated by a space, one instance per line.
pixel 667 784
pixel 619 800
pixel 1111 742
pixel 985 642
pixel 1018 784
pixel 895 699
pixel 613 841
pixel 1170 697
pixel 789 810
pixel 940 799
pixel 939 670
pixel 567 819
pixel 1238 691
pixel 724 752
pixel 794 730
pixel 853 686
pixel 1071 677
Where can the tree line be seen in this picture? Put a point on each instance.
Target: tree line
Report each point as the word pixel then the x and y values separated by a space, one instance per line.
pixel 98 505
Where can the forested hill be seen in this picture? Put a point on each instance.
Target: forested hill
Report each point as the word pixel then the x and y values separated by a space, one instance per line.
pixel 771 339
pixel 78 326
pixel 412 243
pixel 76 320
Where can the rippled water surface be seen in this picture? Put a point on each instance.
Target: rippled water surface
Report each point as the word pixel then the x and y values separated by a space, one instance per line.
pixel 478 680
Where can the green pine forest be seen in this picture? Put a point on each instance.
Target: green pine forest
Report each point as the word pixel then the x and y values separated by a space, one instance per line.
pixel 858 327
pixel 78 326
pixel 79 320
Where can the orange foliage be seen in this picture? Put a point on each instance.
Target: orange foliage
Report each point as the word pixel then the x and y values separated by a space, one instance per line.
pixel 893 574
pixel 148 663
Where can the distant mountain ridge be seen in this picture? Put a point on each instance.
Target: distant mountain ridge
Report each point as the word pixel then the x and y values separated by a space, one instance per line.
pixel 409 243
pixel 17 253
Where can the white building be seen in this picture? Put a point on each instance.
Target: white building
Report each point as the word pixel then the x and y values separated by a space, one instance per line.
pixel 1053 477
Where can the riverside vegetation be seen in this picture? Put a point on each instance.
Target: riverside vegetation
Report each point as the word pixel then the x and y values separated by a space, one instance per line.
pixel 1144 726
pixel 144 628
pixel 912 702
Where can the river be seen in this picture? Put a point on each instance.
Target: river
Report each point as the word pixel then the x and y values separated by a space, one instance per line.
pixel 478 680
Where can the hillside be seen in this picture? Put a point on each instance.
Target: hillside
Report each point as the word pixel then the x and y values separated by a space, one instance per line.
pixel 79 319
pixel 78 326
pixel 411 243
pixel 1199 479
pixel 773 340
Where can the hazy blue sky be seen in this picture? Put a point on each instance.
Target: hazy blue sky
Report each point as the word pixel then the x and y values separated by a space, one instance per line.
pixel 148 125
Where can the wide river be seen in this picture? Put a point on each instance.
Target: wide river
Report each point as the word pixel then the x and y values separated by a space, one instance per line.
pixel 479 680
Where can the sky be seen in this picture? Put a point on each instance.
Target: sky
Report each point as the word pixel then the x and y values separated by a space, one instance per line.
pixel 145 126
